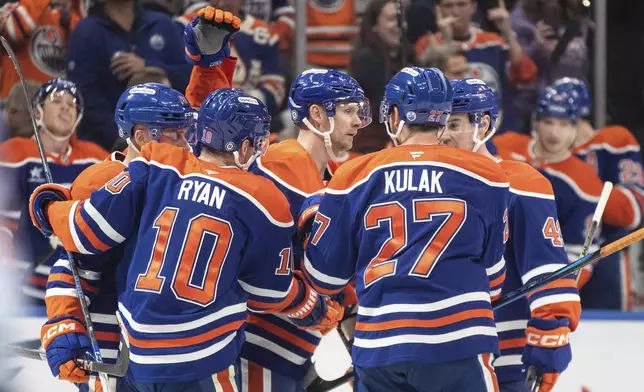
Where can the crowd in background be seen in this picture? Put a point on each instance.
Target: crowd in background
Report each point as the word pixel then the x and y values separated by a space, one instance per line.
pixel 516 47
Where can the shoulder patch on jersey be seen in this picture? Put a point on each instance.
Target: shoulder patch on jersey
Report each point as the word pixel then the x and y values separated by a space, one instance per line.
pixel 525 180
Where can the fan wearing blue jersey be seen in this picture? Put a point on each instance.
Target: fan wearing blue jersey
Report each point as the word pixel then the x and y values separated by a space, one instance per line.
pixel 615 155
pixel 552 312
pixel 197 282
pixel 420 227
pixel 145 113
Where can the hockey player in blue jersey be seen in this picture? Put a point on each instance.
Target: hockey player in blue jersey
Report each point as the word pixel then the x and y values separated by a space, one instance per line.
pixel 550 312
pixel 420 229
pixel 615 155
pixel 144 113
pixel 196 283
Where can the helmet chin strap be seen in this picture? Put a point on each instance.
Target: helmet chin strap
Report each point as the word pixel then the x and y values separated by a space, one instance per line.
pixel 245 166
pixel 131 145
pixel 40 124
pixel 478 142
pixel 326 136
pixel 394 136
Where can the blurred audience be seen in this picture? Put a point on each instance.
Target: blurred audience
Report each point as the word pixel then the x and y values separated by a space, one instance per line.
pixel 497 60
pixel 375 60
pixel 149 75
pixel 16 114
pixel 124 39
pixel 540 27
pixel 38 31
pixel 449 58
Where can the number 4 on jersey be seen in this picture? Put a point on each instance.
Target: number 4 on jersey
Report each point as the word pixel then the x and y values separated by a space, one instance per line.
pixel 552 231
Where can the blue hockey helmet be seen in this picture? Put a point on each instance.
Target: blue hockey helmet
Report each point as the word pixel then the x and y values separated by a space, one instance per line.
pixel 421 95
pixel 557 103
pixel 228 117
pixel 328 88
pixel 475 98
pixel 155 106
pixel 578 90
pixel 50 89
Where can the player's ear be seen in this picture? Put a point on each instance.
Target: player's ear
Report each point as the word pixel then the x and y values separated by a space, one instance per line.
pixel 140 135
pixel 394 118
pixel 245 151
pixel 485 126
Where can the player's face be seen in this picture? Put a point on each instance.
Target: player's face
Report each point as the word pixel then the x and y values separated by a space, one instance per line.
pixel 461 10
pixel 459 131
pixel 456 68
pixel 16 116
pixel 554 135
pixel 60 113
pixel 347 122
pixel 387 25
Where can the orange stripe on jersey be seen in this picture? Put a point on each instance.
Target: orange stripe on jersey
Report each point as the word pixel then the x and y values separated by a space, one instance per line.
pixel 276 307
pixel 505 344
pixel 570 310
pixel 279 332
pixel 557 284
pixel 84 227
pixel 58 216
pixel 185 342
pixel 255 378
pixel 497 281
pixel 9 224
pixel 466 162
pixel 317 288
pixel 306 215
pixel 487 362
pixel 108 336
pixel 63 305
pixel 60 277
pixel 415 323
pixel 582 175
pixel 38 281
pixel 225 381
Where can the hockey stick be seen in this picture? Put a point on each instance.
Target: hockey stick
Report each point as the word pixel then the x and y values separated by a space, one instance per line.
pixel 117 369
pixel 48 177
pixel 521 292
pixel 534 377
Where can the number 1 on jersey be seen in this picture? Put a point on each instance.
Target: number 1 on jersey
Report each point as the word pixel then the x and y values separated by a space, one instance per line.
pixel 425 210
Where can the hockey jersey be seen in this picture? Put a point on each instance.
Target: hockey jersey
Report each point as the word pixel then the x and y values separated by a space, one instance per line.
pixel 615 155
pixel 21 164
pixel 183 296
pixel 487 54
pixel 38 35
pixel 575 184
pixel 421 229
pixel 532 251
pixel 98 272
pixel 271 341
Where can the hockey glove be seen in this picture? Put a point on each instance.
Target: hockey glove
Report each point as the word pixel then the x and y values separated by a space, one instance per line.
pixel 40 198
pixel 207 37
pixel 313 311
pixel 65 339
pixel 547 348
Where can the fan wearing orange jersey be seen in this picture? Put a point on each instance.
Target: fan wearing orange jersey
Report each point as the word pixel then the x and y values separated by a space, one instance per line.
pixel 37 31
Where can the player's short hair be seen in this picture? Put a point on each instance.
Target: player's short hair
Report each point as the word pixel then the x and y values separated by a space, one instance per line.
pixel 149 75
pixel 437 56
pixel 16 96
pixel 423 128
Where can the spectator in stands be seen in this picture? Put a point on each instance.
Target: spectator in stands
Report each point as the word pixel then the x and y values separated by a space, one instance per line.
pixel 16 114
pixel 116 40
pixel 38 31
pixel 539 25
pixel 149 75
pixel 449 58
pixel 375 60
pixel 498 61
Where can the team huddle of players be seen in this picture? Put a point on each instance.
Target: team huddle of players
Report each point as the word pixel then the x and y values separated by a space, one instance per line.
pixel 223 260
